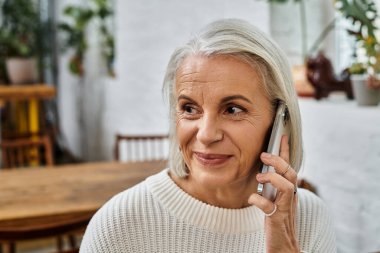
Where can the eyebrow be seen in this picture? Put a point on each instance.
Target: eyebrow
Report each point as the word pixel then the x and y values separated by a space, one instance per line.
pixel 224 100
pixel 186 98
pixel 235 97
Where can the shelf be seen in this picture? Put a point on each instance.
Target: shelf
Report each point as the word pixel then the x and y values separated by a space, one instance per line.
pixel 25 92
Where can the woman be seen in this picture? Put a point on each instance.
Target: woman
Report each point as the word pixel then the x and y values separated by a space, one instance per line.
pixel 223 87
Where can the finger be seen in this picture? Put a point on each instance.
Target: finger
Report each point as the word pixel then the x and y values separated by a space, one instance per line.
pixel 264 204
pixel 294 209
pixel 284 148
pixel 280 165
pixel 284 187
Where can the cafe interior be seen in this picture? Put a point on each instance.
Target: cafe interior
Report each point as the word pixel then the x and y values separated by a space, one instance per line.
pixel 83 117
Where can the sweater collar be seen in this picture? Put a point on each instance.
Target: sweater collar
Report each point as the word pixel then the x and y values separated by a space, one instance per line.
pixel 185 207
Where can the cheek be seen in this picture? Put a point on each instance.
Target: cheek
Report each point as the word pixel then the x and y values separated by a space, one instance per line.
pixel 251 141
pixel 252 149
pixel 186 130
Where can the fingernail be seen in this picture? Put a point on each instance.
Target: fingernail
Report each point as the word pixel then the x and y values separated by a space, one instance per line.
pixel 266 155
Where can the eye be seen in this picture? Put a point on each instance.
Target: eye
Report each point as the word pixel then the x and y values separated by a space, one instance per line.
pixel 189 109
pixel 234 110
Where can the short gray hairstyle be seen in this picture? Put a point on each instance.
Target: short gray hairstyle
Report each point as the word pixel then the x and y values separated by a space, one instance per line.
pixel 240 39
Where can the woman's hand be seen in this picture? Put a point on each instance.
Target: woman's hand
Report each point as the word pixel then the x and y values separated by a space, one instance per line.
pixel 280 226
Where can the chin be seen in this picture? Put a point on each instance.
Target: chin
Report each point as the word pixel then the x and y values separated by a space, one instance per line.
pixel 211 177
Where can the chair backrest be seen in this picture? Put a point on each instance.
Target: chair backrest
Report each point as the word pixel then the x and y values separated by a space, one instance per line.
pixel 23 152
pixel 305 184
pixel 141 147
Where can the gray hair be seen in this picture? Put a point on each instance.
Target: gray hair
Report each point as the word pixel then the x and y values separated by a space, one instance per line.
pixel 240 39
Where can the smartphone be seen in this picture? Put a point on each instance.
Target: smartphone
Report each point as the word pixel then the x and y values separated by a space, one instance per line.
pixel 280 128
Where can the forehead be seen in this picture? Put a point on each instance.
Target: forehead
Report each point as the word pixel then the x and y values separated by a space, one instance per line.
pixel 217 73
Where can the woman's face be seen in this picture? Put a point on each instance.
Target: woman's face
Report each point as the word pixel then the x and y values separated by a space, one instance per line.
pixel 223 117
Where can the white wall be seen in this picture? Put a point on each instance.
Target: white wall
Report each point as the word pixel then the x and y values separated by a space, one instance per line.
pixel 66 95
pixel 147 32
pixel 285 27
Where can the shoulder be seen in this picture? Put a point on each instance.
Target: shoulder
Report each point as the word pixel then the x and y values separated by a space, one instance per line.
pixel 308 201
pixel 315 225
pixel 116 220
pixel 312 208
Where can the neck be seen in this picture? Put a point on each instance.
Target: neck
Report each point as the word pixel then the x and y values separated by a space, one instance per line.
pixel 232 196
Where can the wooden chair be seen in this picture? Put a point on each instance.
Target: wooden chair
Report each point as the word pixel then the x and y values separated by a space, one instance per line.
pixel 62 227
pixel 37 151
pixel 141 148
pixel 305 184
pixel 24 152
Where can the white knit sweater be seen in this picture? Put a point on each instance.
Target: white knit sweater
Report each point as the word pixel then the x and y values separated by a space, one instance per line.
pixel 158 216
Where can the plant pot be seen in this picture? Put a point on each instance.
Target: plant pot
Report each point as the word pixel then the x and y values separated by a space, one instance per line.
pixel 22 70
pixel 364 95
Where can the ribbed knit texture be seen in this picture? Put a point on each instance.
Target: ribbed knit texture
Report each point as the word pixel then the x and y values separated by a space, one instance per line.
pixel 158 216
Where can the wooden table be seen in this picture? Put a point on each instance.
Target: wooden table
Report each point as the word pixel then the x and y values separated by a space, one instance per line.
pixel 30 198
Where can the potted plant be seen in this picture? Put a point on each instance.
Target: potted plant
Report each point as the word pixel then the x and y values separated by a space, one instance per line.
pixel 366 87
pixel 366 66
pixel 18 35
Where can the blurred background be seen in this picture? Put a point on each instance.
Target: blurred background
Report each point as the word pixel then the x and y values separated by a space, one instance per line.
pixel 94 69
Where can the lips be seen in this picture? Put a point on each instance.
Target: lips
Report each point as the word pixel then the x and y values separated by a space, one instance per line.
pixel 211 159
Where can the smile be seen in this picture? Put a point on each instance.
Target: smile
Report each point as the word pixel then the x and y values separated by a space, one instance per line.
pixel 212 159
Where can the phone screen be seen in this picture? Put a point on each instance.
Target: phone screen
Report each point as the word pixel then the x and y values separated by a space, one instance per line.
pixel 280 128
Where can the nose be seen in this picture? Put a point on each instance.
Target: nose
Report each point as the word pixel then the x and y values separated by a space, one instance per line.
pixel 209 130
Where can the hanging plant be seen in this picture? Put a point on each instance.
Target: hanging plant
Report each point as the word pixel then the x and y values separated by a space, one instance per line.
pixel 79 17
pixel 104 13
